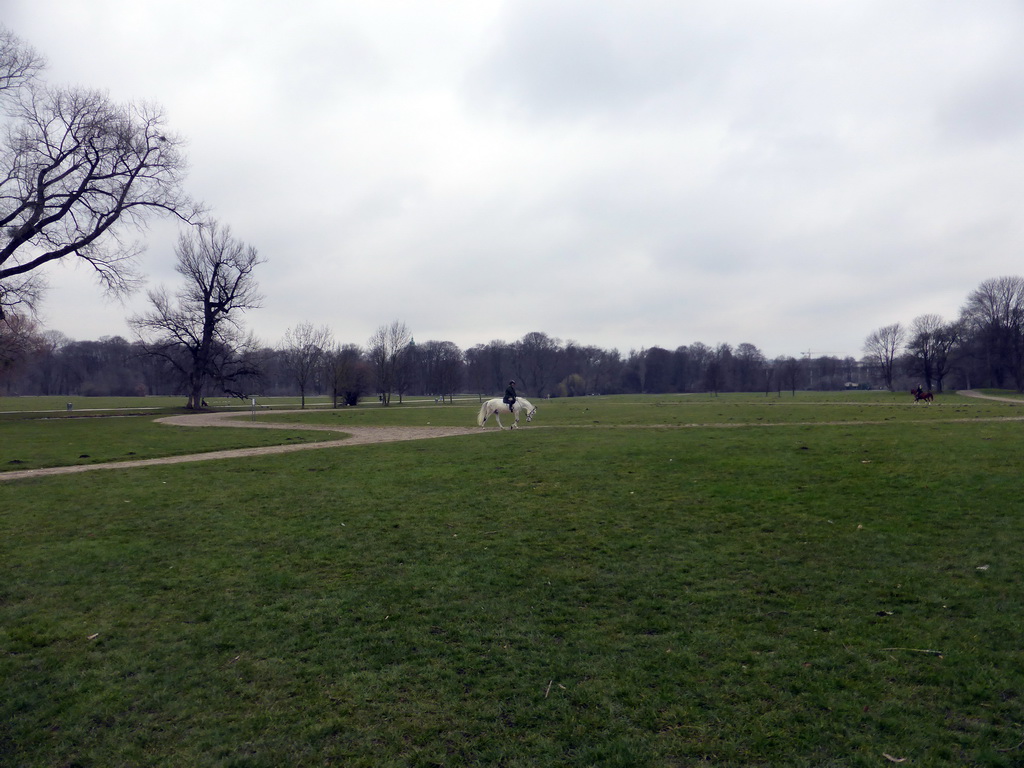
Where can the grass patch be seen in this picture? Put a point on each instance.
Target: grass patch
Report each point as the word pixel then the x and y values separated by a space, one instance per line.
pixel 41 442
pixel 58 405
pixel 808 594
pixel 676 410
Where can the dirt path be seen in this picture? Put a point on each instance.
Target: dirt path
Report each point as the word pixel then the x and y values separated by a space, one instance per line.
pixel 983 396
pixel 355 436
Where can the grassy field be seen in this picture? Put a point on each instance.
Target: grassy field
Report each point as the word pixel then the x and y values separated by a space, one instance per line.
pixel 33 437
pixel 680 410
pixel 802 581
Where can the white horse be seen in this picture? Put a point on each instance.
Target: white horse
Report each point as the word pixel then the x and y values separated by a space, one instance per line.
pixel 495 407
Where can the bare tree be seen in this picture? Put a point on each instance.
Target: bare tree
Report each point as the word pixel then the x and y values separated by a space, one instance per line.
pixel 348 374
pixel 305 349
pixel 199 331
pixel 882 346
pixel 994 318
pixel 19 63
pixel 75 167
pixel 489 366
pixel 405 368
pixel 688 366
pixel 768 373
pixel 536 360
pixel 788 372
pixel 750 365
pixel 947 341
pixel 443 365
pixel 386 348
pixel 48 379
pixel 928 351
pixel 19 341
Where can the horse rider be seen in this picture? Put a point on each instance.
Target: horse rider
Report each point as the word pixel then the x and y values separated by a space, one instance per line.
pixel 510 395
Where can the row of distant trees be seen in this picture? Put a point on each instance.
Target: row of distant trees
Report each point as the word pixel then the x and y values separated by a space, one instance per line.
pixel 392 364
pixel 983 347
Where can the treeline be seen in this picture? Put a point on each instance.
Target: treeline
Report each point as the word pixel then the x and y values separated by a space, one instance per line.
pixel 51 364
pixel 983 347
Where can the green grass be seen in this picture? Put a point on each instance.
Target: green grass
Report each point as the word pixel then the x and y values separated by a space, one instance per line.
pixel 676 410
pixel 807 594
pixel 87 405
pixel 64 442
pixel 80 405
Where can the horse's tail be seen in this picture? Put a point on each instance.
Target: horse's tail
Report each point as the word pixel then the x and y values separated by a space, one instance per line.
pixel 482 416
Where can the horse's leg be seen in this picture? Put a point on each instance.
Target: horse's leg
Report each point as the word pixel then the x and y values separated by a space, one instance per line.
pixel 497 418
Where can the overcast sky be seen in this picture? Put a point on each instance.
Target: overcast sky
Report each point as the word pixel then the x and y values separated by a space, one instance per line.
pixel 620 174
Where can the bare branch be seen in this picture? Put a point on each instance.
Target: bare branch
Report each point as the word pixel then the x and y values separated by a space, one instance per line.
pixel 19 63
pixel 75 168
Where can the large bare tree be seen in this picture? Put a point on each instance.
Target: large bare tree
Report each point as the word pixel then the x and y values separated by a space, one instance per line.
pixel 76 171
pixel 199 330
pixel 387 347
pixel 931 348
pixel 882 346
pixel 994 317
pixel 305 349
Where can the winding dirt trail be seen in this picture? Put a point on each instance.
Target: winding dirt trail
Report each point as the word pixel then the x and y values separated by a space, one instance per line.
pixel 983 396
pixel 355 436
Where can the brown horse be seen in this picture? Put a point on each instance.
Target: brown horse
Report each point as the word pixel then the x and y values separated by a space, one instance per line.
pixel 920 394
